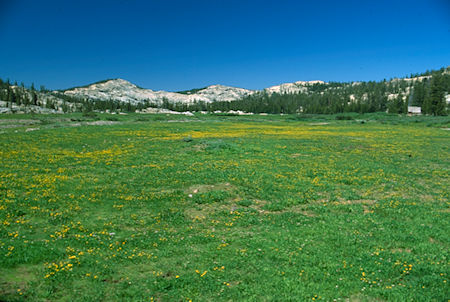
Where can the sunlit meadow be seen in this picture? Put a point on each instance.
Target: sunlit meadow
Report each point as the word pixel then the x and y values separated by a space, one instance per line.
pixel 224 208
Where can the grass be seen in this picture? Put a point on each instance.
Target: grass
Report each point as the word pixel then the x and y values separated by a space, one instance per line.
pixel 248 208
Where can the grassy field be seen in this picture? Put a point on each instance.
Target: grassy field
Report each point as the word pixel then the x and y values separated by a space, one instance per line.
pixel 206 208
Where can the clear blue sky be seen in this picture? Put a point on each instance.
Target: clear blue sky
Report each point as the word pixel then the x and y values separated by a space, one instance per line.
pixel 176 45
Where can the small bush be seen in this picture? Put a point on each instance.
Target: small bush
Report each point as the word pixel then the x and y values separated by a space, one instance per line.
pixel 188 139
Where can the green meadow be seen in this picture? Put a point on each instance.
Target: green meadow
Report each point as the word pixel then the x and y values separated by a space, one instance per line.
pixel 224 208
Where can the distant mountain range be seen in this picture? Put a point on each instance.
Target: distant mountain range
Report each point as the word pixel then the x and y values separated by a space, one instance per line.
pixel 124 91
pixel 430 90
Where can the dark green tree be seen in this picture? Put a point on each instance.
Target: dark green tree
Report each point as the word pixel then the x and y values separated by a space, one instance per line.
pixel 437 95
pixel 34 98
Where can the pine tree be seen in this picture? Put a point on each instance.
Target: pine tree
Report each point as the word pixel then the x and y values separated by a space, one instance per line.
pixel 26 100
pixel 65 108
pixel 418 94
pixel 426 105
pixel 34 97
pixel 437 95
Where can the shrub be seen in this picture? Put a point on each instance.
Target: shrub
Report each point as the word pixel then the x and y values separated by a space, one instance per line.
pixel 188 139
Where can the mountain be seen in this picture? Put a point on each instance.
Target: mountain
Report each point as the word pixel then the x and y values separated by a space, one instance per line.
pixel 429 90
pixel 124 91
pixel 296 87
pixel 120 90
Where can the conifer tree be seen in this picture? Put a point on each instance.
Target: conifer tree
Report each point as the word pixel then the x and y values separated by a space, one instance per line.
pixel 34 97
pixel 437 94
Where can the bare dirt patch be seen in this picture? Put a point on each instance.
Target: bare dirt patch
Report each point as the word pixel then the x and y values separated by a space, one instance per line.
pixel 358 201
pixel 361 298
pixel 399 250
pixel 367 210
pixel 101 123
pixel 94 123
pixel 201 188
pixel 183 121
pixel 258 205
pixel 19 121
pixel 299 209
pixel 11 126
pixel 295 155
pixel 318 124
pixel 302 211
pixel 16 123
pixel 199 148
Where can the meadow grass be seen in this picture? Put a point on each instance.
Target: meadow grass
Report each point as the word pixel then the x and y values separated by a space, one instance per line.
pixel 174 208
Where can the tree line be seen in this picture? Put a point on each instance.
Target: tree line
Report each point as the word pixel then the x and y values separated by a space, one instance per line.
pixel 362 97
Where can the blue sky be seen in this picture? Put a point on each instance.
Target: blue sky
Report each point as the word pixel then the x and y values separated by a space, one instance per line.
pixel 177 45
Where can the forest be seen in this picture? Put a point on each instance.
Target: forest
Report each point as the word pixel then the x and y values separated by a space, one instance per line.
pixel 362 97
pixel 427 90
